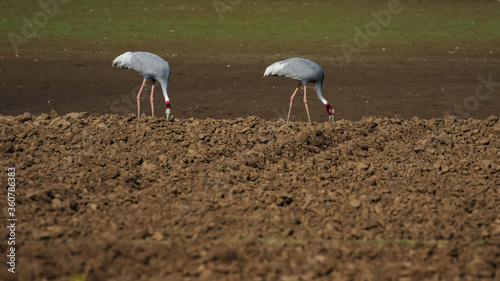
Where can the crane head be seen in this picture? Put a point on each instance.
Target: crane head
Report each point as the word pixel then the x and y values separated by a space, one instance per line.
pixel 330 111
pixel 168 109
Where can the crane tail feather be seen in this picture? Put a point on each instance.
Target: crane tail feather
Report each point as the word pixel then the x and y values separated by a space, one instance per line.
pixel 123 60
pixel 275 69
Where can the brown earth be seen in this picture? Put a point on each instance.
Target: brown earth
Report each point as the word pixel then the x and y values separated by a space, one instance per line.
pixel 117 198
pixel 225 81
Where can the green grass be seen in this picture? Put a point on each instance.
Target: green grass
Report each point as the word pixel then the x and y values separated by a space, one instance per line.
pixel 379 241
pixel 278 21
pixel 78 277
pixel 263 240
pixel 482 243
pixel 407 242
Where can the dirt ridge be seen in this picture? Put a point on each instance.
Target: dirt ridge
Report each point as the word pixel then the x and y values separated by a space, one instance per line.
pixel 115 197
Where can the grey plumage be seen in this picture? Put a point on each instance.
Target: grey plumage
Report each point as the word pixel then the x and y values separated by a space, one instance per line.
pixel 150 66
pixel 305 71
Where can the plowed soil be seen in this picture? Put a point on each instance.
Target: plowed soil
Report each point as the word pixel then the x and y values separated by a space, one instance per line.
pixel 113 197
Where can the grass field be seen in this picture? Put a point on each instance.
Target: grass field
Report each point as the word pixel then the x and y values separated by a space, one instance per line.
pixel 285 24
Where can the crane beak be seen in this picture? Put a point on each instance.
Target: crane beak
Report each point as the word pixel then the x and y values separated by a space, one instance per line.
pixel 167 103
pixel 167 112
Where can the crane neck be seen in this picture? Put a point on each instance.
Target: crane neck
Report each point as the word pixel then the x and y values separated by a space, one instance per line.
pixel 319 87
pixel 164 85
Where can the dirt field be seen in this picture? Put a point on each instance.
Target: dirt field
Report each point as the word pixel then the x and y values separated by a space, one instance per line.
pixel 408 76
pixel 406 82
pixel 116 198
pixel 226 190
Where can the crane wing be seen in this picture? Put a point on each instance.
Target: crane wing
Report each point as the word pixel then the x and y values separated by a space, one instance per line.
pixel 283 68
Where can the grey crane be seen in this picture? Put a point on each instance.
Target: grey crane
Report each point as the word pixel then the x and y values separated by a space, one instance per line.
pixel 305 71
pixel 150 66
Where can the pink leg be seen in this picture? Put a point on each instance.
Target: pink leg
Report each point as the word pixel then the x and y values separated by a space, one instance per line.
pixel 139 100
pixel 151 99
pixel 305 102
pixel 291 100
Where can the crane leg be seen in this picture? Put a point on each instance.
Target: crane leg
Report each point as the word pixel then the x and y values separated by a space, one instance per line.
pixel 139 100
pixel 151 99
pixel 291 100
pixel 305 103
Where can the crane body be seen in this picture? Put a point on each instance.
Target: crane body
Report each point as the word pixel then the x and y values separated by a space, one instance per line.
pixel 305 71
pixel 150 66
